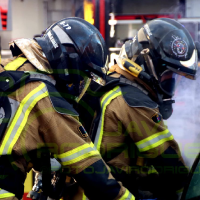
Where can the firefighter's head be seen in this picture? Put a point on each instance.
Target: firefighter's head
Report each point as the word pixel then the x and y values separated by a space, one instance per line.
pixel 164 49
pixel 75 49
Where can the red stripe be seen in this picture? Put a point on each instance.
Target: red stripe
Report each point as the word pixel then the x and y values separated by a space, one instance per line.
pixel 24 197
pixel 102 17
pixel 3 11
pixel 144 17
pixel 3 17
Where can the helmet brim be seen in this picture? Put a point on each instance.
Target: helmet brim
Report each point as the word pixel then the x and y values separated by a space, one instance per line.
pixel 184 68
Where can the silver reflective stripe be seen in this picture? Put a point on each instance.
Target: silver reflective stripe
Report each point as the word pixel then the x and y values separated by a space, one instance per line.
pixel 55 165
pixel 2 114
pixel 129 196
pixel 5 193
pixel 21 117
pixel 102 117
pixel 43 77
pixel 151 143
pixel 77 154
pixel 84 197
pixel 62 36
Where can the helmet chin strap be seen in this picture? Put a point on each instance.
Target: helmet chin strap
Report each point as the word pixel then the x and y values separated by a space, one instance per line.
pixel 149 63
pixel 165 105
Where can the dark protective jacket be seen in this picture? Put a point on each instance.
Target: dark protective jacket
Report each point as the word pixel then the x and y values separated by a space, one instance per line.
pixel 132 138
pixel 41 119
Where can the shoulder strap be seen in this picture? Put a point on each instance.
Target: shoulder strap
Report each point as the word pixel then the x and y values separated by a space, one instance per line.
pixel 135 95
pixel 5 105
pixel 15 64
pixel 12 80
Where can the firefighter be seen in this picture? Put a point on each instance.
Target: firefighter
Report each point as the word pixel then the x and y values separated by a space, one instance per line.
pixel 128 128
pixel 37 120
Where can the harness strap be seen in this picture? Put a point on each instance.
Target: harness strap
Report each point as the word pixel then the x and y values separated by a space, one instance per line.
pixel 5 104
pixel 128 82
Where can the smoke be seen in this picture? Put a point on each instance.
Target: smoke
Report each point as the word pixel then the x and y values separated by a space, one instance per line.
pixel 184 123
pixel 174 9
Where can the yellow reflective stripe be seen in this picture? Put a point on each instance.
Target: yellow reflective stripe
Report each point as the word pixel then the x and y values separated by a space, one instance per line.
pixel 78 154
pixel 152 137
pixel 103 113
pixel 4 194
pixel 105 101
pixel 157 143
pixel 179 191
pixel 154 140
pixel 127 196
pixel 152 170
pixel 25 120
pixel 12 132
pixel 111 91
pixel 92 144
pixel 84 197
pixel 76 150
pixel 15 64
pixel 82 157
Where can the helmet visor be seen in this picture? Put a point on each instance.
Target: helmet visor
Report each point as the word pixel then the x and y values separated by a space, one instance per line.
pixel 186 68
pixel 122 54
pixel 192 63
pixel 169 81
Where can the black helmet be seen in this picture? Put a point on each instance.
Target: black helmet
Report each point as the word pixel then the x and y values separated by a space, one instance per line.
pixel 74 49
pixel 161 47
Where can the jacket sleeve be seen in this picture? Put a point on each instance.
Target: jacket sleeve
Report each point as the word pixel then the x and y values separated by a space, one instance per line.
pixel 66 139
pixel 152 138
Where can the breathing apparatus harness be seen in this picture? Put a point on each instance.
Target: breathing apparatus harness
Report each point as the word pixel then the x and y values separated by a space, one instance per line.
pixel 135 70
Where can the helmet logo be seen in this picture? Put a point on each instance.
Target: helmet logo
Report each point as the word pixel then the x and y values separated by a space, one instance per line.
pixel 66 26
pixel 52 39
pixel 179 47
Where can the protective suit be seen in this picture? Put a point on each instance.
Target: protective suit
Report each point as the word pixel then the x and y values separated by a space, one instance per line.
pixel 127 113
pixel 42 121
